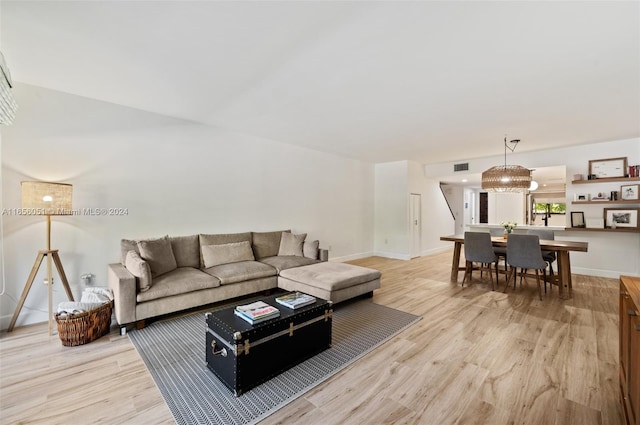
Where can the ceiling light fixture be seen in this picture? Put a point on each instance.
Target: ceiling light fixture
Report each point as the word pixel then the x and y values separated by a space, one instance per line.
pixel 507 178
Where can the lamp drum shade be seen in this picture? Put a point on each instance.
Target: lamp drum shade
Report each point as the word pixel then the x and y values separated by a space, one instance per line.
pixel 46 198
pixel 507 178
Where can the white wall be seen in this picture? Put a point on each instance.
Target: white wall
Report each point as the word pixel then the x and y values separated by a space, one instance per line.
pixel 506 207
pixel 394 182
pixel 173 177
pixel 391 210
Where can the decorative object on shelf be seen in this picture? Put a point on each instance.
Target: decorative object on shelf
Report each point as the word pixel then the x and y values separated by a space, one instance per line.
pixel 614 195
pixel 508 227
pixel 45 198
pixel 581 197
pixel 630 192
pixel 607 168
pixel 578 177
pixel 577 219
pixel 600 196
pixel 594 223
pixel 621 218
pixel 507 178
pixel 634 170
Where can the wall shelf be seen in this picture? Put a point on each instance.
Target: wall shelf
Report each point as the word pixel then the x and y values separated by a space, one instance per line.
pixel 589 229
pixel 619 201
pixel 608 180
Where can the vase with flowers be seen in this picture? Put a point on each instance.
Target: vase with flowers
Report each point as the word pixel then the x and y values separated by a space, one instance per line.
pixel 508 227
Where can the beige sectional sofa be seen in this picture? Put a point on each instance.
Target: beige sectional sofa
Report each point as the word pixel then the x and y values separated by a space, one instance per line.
pixel 170 274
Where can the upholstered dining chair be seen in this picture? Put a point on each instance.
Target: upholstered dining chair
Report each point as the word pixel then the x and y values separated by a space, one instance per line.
pixel 549 256
pixel 501 251
pixel 478 249
pixel 523 251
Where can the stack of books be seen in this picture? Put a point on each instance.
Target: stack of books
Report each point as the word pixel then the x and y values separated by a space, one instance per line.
pixel 295 300
pixel 256 312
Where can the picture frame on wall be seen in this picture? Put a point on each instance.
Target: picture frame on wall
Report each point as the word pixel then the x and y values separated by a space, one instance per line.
pixel 630 192
pixel 577 219
pixel 608 168
pixel 626 218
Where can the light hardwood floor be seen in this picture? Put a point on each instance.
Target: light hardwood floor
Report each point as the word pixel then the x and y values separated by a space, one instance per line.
pixel 476 357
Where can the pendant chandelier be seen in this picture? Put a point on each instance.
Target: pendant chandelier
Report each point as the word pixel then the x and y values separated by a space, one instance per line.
pixel 507 178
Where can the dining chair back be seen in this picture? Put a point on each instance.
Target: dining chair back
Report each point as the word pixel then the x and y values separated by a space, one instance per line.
pixel 549 256
pixel 479 249
pixel 523 251
pixel 500 251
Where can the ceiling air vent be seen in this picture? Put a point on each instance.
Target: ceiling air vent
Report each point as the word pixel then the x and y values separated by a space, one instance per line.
pixel 461 167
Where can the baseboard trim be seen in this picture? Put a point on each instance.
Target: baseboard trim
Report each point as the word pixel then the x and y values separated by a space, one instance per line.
pixel 597 272
pixel 351 257
pixel 393 255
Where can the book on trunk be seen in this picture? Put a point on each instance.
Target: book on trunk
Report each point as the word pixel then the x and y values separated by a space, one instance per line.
pixel 256 312
pixel 295 300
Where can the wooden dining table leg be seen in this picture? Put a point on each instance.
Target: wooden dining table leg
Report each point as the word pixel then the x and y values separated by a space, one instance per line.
pixel 564 271
pixel 455 264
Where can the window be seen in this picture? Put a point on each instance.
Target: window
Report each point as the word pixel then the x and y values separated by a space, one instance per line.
pixel 555 208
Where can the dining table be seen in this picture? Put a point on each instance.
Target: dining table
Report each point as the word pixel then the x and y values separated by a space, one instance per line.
pixel 561 247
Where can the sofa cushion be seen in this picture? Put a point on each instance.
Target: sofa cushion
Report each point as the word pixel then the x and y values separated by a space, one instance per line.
pixel 287 261
pixel 178 281
pixel 127 245
pixel 267 244
pixel 331 276
pixel 140 269
pixel 186 250
pixel 159 255
pixel 221 239
pixel 241 271
pixel 291 244
pixel 214 255
pixel 310 249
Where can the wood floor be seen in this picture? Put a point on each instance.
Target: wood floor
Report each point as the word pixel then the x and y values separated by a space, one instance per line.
pixel 476 357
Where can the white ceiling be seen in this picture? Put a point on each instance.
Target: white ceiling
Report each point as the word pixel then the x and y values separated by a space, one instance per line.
pixel 378 81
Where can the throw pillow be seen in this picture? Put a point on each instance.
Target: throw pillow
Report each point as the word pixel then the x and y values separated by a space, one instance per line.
pixel 127 245
pixel 159 254
pixel 266 244
pixel 140 269
pixel 310 249
pixel 214 255
pixel 186 250
pixel 291 244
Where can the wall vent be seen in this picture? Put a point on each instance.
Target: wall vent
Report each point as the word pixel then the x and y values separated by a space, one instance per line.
pixel 461 167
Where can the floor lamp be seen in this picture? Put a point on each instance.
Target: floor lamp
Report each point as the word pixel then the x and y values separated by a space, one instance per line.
pixel 44 198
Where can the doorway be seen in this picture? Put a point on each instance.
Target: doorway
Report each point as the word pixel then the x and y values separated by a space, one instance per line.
pixel 416 224
pixel 484 207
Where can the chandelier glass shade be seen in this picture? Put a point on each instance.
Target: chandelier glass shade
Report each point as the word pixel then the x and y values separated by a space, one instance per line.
pixel 507 178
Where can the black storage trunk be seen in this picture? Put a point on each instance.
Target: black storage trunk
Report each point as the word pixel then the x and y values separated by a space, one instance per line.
pixel 244 355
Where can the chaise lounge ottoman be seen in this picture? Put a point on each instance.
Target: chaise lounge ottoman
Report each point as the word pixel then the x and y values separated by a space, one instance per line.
pixel 335 282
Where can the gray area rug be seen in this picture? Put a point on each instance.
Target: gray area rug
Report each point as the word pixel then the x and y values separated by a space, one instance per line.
pixel 174 352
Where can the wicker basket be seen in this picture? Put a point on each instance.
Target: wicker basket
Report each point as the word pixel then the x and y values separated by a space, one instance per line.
pixel 81 328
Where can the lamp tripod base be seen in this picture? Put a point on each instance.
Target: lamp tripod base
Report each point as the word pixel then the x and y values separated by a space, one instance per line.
pixel 52 255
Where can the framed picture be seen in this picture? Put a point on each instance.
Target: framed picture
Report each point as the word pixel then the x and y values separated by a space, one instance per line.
pixel 581 196
pixel 595 223
pixel 621 217
pixel 577 219
pixel 630 192
pixel 607 168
